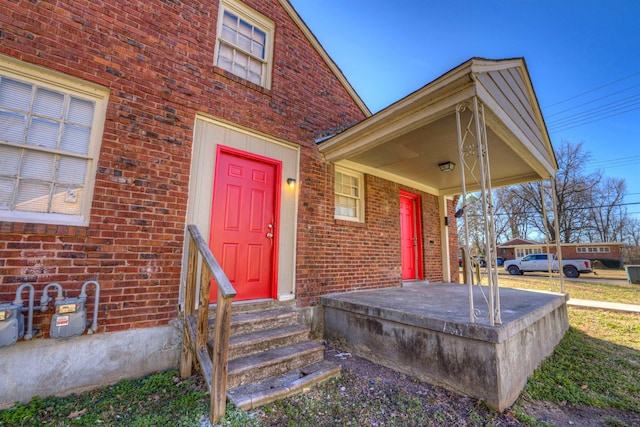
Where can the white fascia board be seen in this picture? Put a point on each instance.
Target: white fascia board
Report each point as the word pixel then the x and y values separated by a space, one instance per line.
pixel 545 169
pixel 387 176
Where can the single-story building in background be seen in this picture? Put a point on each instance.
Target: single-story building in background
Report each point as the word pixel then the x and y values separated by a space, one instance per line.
pixel 609 253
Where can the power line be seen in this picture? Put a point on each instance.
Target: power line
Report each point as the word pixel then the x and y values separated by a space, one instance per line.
pixel 602 109
pixel 592 90
pixel 594 100
pixel 595 120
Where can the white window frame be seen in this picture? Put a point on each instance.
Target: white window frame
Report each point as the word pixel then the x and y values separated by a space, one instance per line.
pixel 359 200
pixel 43 78
pixel 593 249
pixel 522 252
pixel 255 19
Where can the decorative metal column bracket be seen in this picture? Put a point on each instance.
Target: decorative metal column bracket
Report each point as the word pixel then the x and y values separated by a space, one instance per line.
pixel 475 154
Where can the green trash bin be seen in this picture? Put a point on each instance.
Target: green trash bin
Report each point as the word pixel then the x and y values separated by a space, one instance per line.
pixel 633 273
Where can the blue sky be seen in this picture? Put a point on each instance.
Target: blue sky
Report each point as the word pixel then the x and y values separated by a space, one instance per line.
pixel 583 58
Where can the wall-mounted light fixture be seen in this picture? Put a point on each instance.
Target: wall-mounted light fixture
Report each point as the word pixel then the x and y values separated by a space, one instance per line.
pixel 446 221
pixel 447 166
pixel 291 182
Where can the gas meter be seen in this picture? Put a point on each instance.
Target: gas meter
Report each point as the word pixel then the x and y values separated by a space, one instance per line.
pixel 12 319
pixel 11 323
pixel 69 319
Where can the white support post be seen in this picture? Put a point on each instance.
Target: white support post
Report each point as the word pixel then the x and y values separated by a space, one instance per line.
pixel 466 261
pixel 444 244
pixel 556 223
pixel 489 224
pixel 546 232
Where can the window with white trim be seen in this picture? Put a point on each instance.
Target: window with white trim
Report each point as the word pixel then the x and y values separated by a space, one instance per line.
pixel 244 44
pixel 593 249
pixel 50 131
pixel 349 195
pixel 522 252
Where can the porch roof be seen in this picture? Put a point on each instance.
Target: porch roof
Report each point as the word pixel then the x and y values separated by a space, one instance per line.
pixel 406 141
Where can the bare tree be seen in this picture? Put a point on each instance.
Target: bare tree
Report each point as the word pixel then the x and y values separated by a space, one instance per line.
pixel 574 190
pixel 607 215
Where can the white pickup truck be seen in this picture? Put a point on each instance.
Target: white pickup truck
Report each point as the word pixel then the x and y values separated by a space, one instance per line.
pixel 540 262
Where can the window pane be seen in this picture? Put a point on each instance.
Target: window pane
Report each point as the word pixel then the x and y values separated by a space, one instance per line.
pixel 228 34
pixel 80 111
pixel 9 160
pixel 75 139
pixel 48 103
pixel 66 200
pixel 15 95
pixel 230 20
pixel 6 192
pixel 43 133
pixel 37 165
pixel 257 49
pixel 12 126
pixel 245 29
pixel 244 43
pixel 32 197
pixel 71 170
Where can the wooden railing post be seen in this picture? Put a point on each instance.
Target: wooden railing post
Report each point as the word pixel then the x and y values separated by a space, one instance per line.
pixel 186 359
pixel 215 371
pixel 220 358
pixel 203 308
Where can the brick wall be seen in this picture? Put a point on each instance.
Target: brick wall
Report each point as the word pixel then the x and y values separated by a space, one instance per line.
pixel 156 59
pixel 340 256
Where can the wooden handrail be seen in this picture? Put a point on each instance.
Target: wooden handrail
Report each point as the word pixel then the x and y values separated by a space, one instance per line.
pixel 221 279
pixel 215 371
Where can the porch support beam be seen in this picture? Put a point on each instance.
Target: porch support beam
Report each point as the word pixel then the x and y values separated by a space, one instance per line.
pixel 445 247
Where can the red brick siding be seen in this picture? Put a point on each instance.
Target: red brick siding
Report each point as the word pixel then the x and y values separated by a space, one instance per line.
pixel 156 59
pixel 340 256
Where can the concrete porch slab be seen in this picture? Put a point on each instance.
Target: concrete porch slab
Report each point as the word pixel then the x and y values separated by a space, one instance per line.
pixel 425 331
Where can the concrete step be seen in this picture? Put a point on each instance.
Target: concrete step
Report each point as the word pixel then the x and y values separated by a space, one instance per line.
pixel 252 321
pixel 263 340
pixel 271 363
pixel 281 386
pixel 259 305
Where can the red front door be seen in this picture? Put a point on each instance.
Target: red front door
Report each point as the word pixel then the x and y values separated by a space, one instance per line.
pixel 243 222
pixel 410 236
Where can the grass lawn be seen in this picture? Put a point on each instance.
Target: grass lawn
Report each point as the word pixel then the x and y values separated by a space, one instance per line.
pixel 594 369
pixel 582 288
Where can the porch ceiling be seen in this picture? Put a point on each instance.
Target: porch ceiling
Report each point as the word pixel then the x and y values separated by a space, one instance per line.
pixel 406 141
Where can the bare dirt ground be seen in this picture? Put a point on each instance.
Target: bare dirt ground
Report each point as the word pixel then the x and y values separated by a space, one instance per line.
pixel 370 394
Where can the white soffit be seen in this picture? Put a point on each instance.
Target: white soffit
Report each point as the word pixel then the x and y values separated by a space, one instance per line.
pixel 406 141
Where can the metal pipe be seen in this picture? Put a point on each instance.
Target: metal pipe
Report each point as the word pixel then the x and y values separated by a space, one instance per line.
pixel 83 294
pixel 44 299
pixel 18 301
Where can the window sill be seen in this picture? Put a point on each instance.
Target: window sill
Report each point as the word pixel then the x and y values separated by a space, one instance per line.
pixel 244 82
pixel 344 222
pixel 43 229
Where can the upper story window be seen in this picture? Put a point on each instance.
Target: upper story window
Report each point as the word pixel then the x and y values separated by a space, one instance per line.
pixel 244 45
pixel 349 195
pixel 50 132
